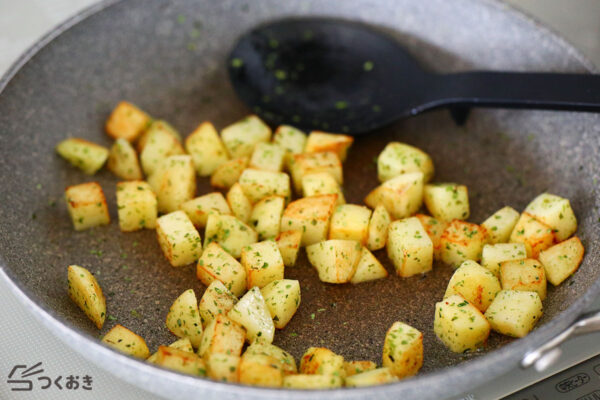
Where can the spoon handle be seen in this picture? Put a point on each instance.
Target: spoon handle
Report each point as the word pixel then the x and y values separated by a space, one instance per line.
pixel 551 91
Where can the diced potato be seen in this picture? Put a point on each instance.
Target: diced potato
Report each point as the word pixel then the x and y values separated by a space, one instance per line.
pixel 377 376
pixel 181 361
pixel 87 205
pixel 239 203
pixel 368 268
pixel 447 201
pixel 500 224
pixel 562 260
pixel 306 381
pixel 434 229
pixel 216 264
pixel 291 139
pixel 263 263
pixel 177 183
pixel 230 233
pixel 409 247
pixel 462 241
pixel 555 212
pixel 200 208
pixel 402 195
pixel 283 299
pixel 460 325
pixel 403 350
pixel 259 184
pixel 284 359
pixel 85 291
pixel 266 217
pixel 322 141
pixel 350 222
pixel 123 161
pixel 228 173
pixel 322 361
pixel 309 215
pixel 253 314
pixel 137 206
pixel 241 137
pixel 358 367
pixel 127 121
pixel 310 163
pixel 378 228
pixel 178 239
pixel 526 275
pixel 267 156
pixel 183 319
pixel 87 156
pixel 493 255
pixel 400 158
pixel 206 148
pixel 514 313
pixel 183 344
pixel 321 183
pixel 289 245
pixel 161 140
pixel 535 235
pixel 217 299
pixel 222 367
pixel 222 336
pixel 260 370
pixel 474 283
pixel 125 341
pixel 335 260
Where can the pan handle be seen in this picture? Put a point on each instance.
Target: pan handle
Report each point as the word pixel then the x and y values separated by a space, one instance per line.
pixel 546 354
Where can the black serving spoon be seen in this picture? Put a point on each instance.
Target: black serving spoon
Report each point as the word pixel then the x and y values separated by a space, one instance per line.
pixel 342 76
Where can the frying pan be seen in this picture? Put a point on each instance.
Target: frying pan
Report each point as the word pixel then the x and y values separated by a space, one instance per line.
pixel 167 57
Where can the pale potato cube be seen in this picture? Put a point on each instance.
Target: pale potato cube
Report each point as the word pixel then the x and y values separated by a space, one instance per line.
pixel 178 239
pixel 137 206
pixel 263 263
pixel 217 299
pixel 222 336
pixel 535 235
pixel 123 161
pixel 260 370
pixel 309 215
pixel 321 183
pixel 266 217
pixel 403 350
pixel 267 156
pixel 335 260
pixel 183 319
pixel 206 148
pixel 310 163
pixel 183 344
pixel 350 222
pixel 239 203
pixel 409 247
pixel 177 183
pixel 127 121
pixel 493 255
pixel 241 137
pixel 291 139
pixel 526 275
pixel 87 205
pixel 514 313
pixel 222 367
pixel 462 241
pixel 87 156
pixel 378 228
pixel 199 208
pixel 259 184
pixel 306 381
pixel 161 140
pixel 158 125
pixel 377 376
pixel 556 212
pixel 85 291
pixel 447 201
pixel 253 314
pixel 500 224
pixel 401 158
pixel 181 361
pixel 216 264
pixel 402 195
pixel 368 268
pixel 322 361
pixel 562 260
pixel 230 233
pixel 284 359
pixel 434 228
pixel 474 283
pixel 228 173
pixel 125 341
pixel 289 245
pixel 460 325
pixel 357 367
pixel 322 141
pixel 283 299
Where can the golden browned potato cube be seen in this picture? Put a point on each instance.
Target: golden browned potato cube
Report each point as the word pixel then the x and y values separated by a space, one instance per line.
pixel 222 367
pixel 217 299
pixel 460 325
pixel 177 183
pixel 447 201
pixel 239 203
pixel 462 241
pixel 535 235
pixel 357 367
pixel 377 376
pixel 216 264
pixel 474 283
pixel 289 245
pixel 125 341
pixel 309 215
pixel 241 137
pixel 283 299
pixel 368 268
pixel 206 148
pixel 401 158
pixel 178 239
pixel 402 195
pixel 222 336
pixel 500 224
pixel 322 141
pixel 123 161
pixel 335 260
pixel 87 156
pixel 260 370
pixel 263 263
pixel 527 275
pixel 137 206
pixel 284 359
pixel 259 184
pixel 228 173
pixel 181 361
pixel 434 228
pixel 514 312
pixel 409 247
pixel 378 228
pixel 127 121
pixel 85 291
pixel 161 140
pixel 556 212
pixel 266 217
pixel 493 255
pixel 267 156
pixel 310 163
pixel 291 139
pixel 199 208
pixel 230 233
pixel 183 319
pixel 87 205
pixel 321 183
pixel 350 222
pixel 306 381
pixel 322 361
pixel 253 314
pixel 562 260
pixel 403 350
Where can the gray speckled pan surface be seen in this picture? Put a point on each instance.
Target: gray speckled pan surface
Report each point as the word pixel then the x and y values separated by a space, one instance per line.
pixel 168 58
